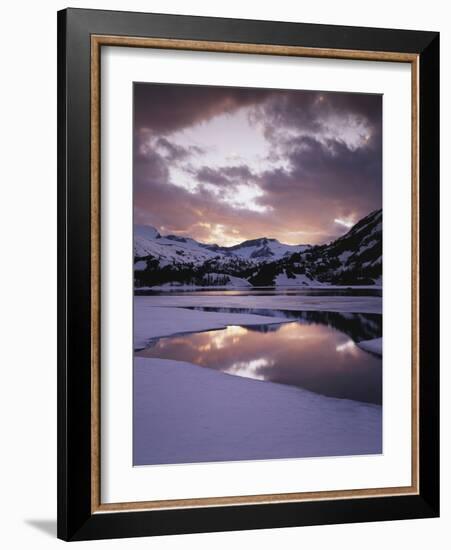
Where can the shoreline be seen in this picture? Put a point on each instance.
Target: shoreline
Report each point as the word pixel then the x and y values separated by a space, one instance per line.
pixel 188 288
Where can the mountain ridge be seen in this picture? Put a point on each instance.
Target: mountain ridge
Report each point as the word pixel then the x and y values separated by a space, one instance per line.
pixel 150 232
pixel 355 258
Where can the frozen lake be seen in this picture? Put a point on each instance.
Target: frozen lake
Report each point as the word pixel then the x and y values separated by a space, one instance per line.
pixel 307 354
pixel 218 378
pixel 267 291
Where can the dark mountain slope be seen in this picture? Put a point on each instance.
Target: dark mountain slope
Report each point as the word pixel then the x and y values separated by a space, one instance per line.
pixel 353 259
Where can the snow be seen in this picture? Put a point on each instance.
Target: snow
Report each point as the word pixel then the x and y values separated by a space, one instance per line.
pixel 344 256
pixel 199 414
pixel 140 265
pixel 262 300
pixel 367 246
pixel 163 315
pixel 370 218
pixel 146 231
pixel 184 413
pixel 373 346
pixel 153 322
pixel 170 249
pixel 298 280
pixel 233 282
pixel 270 249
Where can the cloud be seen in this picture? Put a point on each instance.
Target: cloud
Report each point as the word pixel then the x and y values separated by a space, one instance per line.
pixel 323 162
pixel 175 152
pixel 354 119
pixel 225 175
pixel 165 108
pixel 325 181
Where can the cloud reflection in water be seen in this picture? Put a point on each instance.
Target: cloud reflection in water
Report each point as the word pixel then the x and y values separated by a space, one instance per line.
pixel 312 356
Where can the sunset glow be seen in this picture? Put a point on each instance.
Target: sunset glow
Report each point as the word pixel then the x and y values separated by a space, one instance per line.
pixel 223 165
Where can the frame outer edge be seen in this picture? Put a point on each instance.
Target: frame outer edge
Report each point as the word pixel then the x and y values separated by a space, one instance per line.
pixel 207 28
pixel 429 279
pixel 74 520
pixel 74 296
pixel 62 496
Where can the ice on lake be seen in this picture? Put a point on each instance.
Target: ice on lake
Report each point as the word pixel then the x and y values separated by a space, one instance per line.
pixel 225 381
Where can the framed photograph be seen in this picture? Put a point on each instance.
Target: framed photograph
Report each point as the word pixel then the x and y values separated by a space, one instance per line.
pixel 248 274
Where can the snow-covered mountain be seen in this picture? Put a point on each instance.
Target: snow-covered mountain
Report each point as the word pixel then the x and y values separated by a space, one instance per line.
pixel 172 249
pixel 354 258
pixel 262 249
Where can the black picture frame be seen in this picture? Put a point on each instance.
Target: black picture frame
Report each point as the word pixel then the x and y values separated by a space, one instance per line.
pixel 76 521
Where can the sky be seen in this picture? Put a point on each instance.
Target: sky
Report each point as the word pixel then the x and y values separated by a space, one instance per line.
pixel 223 165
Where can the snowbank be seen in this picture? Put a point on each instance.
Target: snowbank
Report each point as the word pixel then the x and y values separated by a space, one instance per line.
pixel 185 413
pixel 373 346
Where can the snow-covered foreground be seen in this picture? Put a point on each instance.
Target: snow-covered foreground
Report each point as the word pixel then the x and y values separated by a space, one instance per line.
pixel 185 413
pixel 373 346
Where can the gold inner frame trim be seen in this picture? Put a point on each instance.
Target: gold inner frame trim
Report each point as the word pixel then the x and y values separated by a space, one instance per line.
pixel 97 41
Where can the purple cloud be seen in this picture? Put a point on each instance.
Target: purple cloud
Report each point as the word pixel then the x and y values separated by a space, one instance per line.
pixel 322 161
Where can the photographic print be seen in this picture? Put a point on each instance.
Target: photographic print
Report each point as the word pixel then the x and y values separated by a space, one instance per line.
pixel 257 274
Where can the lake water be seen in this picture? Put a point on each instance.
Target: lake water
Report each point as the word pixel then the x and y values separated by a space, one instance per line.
pixel 264 291
pixel 317 351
